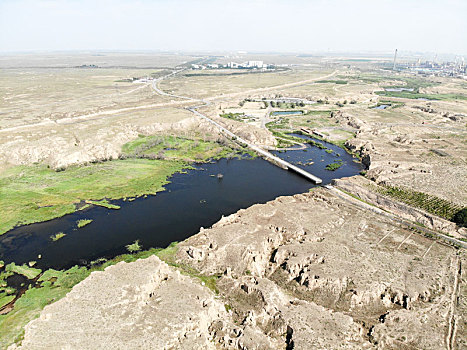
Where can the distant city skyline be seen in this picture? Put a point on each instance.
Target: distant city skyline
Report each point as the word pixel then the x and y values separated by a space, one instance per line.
pixel 255 25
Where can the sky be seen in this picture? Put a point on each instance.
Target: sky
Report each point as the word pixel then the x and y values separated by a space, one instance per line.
pixel 223 25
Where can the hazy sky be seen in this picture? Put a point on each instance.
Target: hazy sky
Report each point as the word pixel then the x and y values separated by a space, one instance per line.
pixel 253 25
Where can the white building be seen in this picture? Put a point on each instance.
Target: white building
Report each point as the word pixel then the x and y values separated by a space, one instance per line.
pixel 255 64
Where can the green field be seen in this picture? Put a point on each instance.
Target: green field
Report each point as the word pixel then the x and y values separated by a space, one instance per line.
pixel 429 203
pixel 416 95
pixel 31 194
pixel 175 148
pixel 341 82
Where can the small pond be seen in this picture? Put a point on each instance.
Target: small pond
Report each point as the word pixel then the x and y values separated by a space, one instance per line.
pixel 287 113
pixel 381 107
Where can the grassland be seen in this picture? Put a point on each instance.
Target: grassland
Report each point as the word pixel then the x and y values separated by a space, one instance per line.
pixel 31 194
pixel 416 95
pixel 55 237
pixel 341 82
pixel 68 92
pixel 333 166
pixel 26 271
pixel 204 85
pixel 83 222
pixel 35 193
pixel 175 148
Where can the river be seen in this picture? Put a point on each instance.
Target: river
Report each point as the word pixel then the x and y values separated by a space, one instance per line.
pixel 192 200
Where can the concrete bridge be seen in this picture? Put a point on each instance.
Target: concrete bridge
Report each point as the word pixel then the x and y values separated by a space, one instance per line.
pixel 267 155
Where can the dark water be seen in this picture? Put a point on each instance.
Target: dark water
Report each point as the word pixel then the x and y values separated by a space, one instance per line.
pixel 286 112
pixel 381 107
pixel 190 201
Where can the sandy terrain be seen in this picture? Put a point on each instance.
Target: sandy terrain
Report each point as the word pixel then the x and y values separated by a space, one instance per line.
pixel 313 270
pixel 310 270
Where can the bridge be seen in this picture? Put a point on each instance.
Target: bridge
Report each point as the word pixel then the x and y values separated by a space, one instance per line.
pixel 267 155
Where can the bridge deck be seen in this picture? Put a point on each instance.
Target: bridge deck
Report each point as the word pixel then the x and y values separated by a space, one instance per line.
pixel 266 154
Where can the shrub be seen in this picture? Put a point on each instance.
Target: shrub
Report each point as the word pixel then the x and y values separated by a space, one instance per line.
pixel 333 166
pixel 460 218
pixel 134 247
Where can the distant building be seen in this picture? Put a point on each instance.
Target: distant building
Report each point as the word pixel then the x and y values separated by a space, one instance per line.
pixel 254 64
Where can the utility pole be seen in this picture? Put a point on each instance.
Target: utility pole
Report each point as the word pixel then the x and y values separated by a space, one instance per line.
pixel 395 56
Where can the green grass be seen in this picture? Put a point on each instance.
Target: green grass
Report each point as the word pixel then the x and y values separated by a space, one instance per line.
pixel 104 203
pixel 340 82
pixel 391 104
pixel 280 123
pixel 233 116
pixel 416 95
pixel 416 84
pixel 324 112
pixel 333 166
pixel 26 271
pixel 54 286
pixel 316 144
pixel 3 276
pixel 5 298
pixel 175 148
pixel 134 247
pixel 57 236
pixel 31 194
pixel 83 222
pixel 285 139
pixel 36 193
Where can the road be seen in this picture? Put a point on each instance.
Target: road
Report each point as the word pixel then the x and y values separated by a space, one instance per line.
pixel 186 100
pixel 259 150
pixel 204 102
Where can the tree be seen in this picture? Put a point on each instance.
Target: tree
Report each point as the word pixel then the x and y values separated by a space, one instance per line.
pixel 460 218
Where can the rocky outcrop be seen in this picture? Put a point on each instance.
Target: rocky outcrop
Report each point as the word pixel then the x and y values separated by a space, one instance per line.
pixel 324 273
pixel 145 304
pixel 310 271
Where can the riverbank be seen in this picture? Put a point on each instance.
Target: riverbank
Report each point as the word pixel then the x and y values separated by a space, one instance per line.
pixel 256 282
pixel 199 196
pixel 19 306
pixel 37 193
